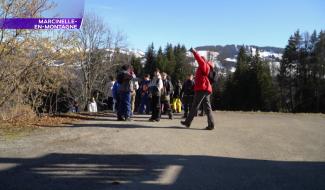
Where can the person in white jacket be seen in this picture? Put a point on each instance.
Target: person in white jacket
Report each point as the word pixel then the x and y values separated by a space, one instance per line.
pixel 110 99
pixel 135 87
pixel 92 106
pixel 156 86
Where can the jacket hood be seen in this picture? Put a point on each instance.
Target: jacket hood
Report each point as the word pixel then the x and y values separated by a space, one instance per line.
pixel 208 62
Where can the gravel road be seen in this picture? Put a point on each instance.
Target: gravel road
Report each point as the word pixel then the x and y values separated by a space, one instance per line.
pixel 245 151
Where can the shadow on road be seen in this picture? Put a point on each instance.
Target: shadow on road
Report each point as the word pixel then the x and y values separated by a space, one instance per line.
pixel 112 116
pixel 109 121
pixel 83 171
pixel 120 125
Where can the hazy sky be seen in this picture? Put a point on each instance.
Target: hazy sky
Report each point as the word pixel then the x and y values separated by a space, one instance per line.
pixel 210 22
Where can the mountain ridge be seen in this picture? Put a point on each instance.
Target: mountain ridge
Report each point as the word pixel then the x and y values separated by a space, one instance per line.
pixel 227 54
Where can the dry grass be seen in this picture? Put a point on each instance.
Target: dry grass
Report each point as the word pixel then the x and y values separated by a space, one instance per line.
pixel 23 125
pixel 19 113
pixel 24 117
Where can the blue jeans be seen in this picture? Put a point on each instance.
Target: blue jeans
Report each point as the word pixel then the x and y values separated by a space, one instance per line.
pixel 144 105
pixel 124 106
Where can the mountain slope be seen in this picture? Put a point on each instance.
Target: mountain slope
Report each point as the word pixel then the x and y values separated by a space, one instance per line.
pixel 227 55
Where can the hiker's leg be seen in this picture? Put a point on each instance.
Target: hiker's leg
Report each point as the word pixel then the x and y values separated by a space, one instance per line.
pixel 158 108
pixel 153 103
pixel 178 105
pixel 148 106
pixel 199 96
pixel 123 105
pixel 120 106
pixel 132 102
pixel 174 104
pixel 128 111
pixel 168 108
pixel 208 110
pixel 186 105
pixel 142 106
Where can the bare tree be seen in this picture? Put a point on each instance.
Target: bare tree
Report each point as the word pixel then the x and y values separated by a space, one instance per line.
pixel 97 52
pixel 25 56
pixel 16 46
pixel 27 75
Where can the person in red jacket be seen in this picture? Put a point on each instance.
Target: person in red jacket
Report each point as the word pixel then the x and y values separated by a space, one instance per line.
pixel 203 90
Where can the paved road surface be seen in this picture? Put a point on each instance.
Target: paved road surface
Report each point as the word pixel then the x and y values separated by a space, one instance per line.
pixel 245 151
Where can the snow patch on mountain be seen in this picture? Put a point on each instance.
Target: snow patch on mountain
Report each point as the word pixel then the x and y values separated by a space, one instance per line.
pixel 209 55
pixel 234 60
pixel 266 54
pixel 136 52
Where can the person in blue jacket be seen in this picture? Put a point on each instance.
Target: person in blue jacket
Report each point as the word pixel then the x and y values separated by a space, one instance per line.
pixel 144 92
pixel 125 77
pixel 115 95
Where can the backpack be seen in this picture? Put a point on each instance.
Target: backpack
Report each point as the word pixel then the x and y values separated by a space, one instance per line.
pixel 213 76
pixel 170 88
pixel 154 89
pixel 145 88
pixel 120 77
pixel 115 89
pixel 167 90
pixel 189 87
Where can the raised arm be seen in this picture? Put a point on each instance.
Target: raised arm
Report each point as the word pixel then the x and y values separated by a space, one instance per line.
pixel 203 65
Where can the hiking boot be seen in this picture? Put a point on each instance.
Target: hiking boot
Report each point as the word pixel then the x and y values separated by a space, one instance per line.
pixel 185 124
pixel 120 119
pixel 128 119
pixel 209 128
pixel 170 116
pixel 152 120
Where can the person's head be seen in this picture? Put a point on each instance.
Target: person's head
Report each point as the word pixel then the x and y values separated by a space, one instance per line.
pixel 157 72
pixel 126 67
pixel 164 76
pixel 190 77
pixel 146 77
pixel 93 99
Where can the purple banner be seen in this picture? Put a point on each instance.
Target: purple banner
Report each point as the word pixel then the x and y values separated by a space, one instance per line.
pixel 41 23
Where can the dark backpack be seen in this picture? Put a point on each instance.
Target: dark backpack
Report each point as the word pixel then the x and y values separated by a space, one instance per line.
pixel 189 87
pixel 154 89
pixel 120 78
pixel 171 87
pixel 144 87
pixel 213 76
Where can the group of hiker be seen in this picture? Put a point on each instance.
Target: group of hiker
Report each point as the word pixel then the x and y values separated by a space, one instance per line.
pixel 157 95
